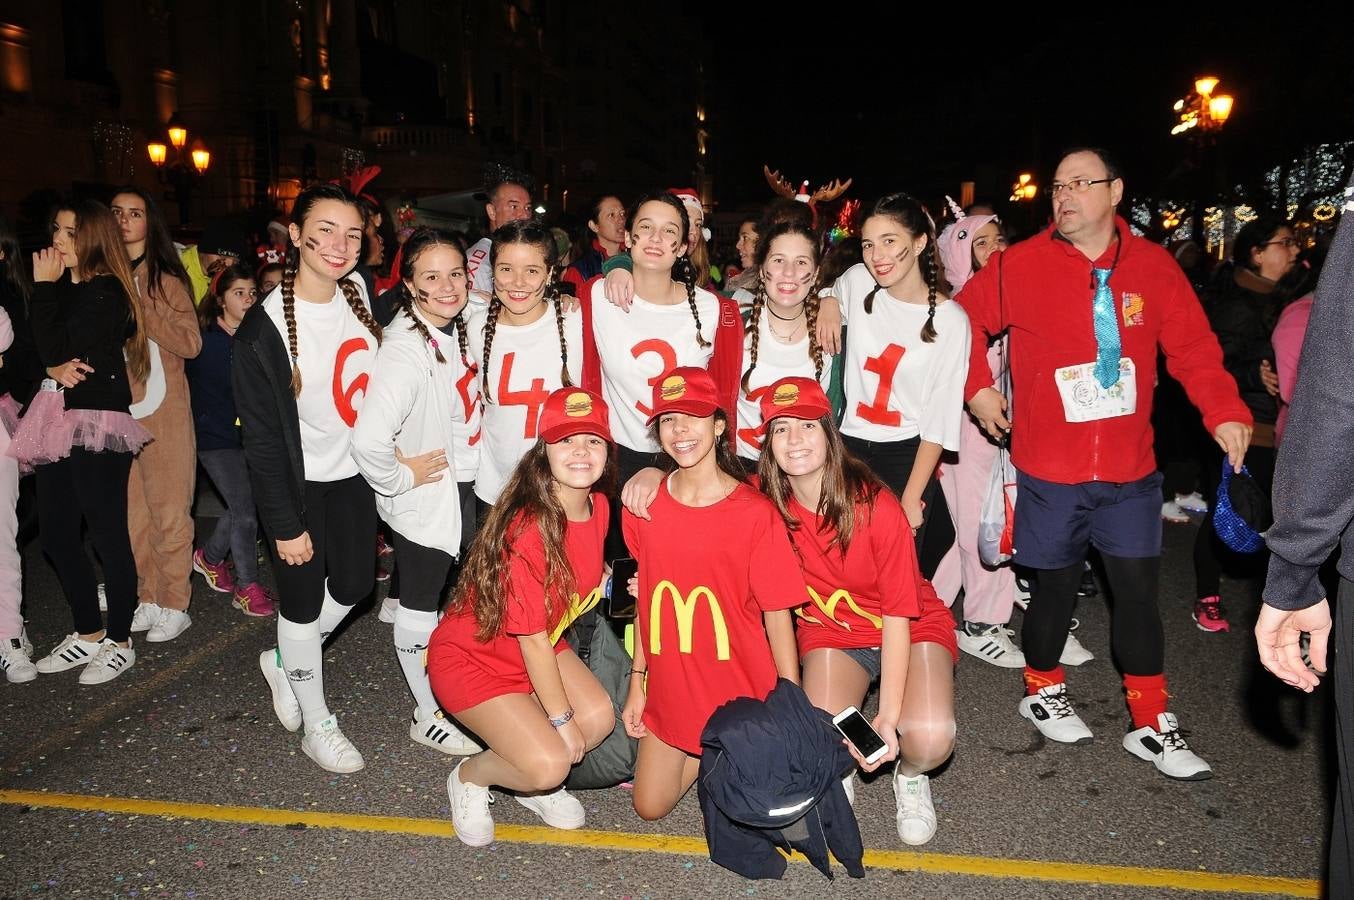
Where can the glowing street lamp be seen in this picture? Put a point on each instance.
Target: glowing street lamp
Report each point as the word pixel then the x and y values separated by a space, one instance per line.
pixel 1202 109
pixel 178 134
pixel 1024 188
pixel 157 152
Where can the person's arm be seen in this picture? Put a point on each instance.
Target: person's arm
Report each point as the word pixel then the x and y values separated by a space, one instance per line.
pixel 265 447
pixel 726 365
pixel 98 308
pixel 1287 341
pixel 171 318
pixel 546 682
pixel 391 393
pixel 982 300
pixel 592 360
pixel 923 467
pixel 6 331
pixel 780 634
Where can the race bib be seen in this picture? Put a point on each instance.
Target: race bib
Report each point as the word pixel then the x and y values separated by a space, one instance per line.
pixel 1084 400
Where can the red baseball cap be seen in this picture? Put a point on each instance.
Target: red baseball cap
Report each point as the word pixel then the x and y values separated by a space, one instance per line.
pixel 569 411
pixel 686 389
pixel 797 398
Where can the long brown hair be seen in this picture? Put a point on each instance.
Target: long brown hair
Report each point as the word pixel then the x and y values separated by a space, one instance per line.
pixel 753 327
pixel 100 251
pixel 528 501
pixel 909 213
pixel 846 482
pixel 533 234
pixel 421 240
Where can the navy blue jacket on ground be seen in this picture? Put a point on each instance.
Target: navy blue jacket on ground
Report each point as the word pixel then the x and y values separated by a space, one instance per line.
pixel 771 780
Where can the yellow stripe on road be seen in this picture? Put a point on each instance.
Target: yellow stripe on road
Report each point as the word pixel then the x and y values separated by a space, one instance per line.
pixel 894 860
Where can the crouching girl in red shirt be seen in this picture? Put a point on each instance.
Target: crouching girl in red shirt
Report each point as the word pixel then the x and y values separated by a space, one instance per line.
pixel 717 581
pixel 870 616
pixel 498 661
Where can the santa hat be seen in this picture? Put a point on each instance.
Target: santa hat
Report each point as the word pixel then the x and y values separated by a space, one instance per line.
pixel 692 201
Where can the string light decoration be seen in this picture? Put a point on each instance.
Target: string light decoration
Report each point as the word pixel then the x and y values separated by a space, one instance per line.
pixel 113 149
pixel 843 228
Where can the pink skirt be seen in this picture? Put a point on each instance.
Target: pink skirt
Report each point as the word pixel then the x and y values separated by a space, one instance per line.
pixel 48 431
pixel 9 414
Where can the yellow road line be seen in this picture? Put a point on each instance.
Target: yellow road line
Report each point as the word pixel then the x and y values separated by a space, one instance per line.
pixel 896 860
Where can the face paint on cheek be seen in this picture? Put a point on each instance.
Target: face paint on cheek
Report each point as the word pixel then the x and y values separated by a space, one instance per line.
pixel 423 295
pixel 312 244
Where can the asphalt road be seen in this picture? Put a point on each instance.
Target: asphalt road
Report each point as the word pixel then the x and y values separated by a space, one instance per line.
pixel 191 724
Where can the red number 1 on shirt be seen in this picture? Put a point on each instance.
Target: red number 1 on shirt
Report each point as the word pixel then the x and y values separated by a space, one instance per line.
pixel 533 398
pixel 463 388
pixel 665 353
pixel 884 365
pixel 749 435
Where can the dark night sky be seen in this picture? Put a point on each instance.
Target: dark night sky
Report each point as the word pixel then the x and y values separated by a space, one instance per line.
pixel 922 108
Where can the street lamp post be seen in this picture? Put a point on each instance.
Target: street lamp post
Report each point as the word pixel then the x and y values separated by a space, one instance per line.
pixel 1023 193
pixel 189 164
pixel 1200 115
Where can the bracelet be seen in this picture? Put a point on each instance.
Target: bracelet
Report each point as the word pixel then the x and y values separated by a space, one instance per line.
pixel 564 719
pixel 639 671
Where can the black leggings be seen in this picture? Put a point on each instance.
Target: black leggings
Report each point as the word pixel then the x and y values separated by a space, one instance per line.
pixel 341 521
pixel 892 462
pixel 628 465
pixel 424 572
pixel 1209 551
pixel 1135 621
pixel 90 487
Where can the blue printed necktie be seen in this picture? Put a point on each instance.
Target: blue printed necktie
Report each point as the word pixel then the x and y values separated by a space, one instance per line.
pixel 1106 331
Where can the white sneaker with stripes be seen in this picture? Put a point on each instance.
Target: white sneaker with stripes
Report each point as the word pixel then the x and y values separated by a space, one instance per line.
pixel 990 643
pixel 68 654
pixel 436 732
pixel 110 662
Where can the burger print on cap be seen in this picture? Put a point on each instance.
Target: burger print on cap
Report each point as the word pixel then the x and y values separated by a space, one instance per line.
pixel 569 411
pixel 686 389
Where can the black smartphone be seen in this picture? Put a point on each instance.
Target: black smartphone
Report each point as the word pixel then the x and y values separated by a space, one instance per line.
pixel 620 605
pixel 856 729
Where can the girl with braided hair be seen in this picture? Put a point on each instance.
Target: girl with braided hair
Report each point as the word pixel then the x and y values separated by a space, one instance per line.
pixel 781 335
pixel 906 361
pixel 301 368
pixel 406 442
pixel 669 323
pixel 526 345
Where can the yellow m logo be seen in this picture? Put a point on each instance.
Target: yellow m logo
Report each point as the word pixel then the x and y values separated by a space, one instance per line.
pixel 685 609
pixel 577 607
pixel 830 605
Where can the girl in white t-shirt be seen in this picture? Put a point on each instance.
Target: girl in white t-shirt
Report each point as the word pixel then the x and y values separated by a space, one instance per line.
pixel 781 336
pixel 302 362
pixel 525 344
pixel 405 441
pixel 906 360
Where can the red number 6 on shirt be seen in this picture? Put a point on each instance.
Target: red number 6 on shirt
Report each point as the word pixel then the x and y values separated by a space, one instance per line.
pixel 344 396
pixel 665 353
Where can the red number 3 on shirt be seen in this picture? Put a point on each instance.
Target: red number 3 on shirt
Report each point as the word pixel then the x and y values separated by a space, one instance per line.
pixel 463 389
pixel 533 398
pixel 884 365
pixel 666 354
pixel 344 396
pixel 749 436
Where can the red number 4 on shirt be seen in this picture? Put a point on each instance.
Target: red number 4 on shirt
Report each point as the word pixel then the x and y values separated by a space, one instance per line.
pixel 533 398
pixel 884 365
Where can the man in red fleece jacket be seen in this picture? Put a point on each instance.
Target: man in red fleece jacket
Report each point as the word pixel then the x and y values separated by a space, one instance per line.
pixel 1086 304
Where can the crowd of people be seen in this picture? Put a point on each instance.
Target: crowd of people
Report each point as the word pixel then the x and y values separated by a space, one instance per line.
pixel 787 482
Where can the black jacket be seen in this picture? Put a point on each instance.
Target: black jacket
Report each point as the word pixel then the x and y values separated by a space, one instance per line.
pixel 89 321
pixel 271 426
pixel 22 369
pixel 771 779
pixel 1243 309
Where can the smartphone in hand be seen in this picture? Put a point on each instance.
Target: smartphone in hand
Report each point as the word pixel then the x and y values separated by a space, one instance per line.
pixel 857 729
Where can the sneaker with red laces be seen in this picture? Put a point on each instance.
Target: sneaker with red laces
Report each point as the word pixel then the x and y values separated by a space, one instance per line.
pixel 1208 614
pixel 217 574
pixel 254 600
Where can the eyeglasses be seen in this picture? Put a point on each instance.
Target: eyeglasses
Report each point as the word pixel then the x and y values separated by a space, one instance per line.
pixel 1076 185
pixel 1287 243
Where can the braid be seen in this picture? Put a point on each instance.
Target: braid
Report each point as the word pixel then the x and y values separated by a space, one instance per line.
pixel 754 329
pixel 552 294
pixel 811 322
pixel 869 299
pixel 289 316
pixel 490 325
pixel 359 308
pixel 461 338
pixel 928 270
pixel 406 301
pixel 688 277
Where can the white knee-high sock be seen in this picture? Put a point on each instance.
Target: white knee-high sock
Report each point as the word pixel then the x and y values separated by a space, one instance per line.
pixel 412 630
pixel 332 614
pixel 303 661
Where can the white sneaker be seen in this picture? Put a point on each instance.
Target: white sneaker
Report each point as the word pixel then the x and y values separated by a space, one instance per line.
pixel 25 642
pixel 1192 502
pixel 103 598
pixel 916 812
pixel 436 732
pixel 470 810
pixel 15 662
pixel 68 654
pixel 171 624
pixel 387 612
pixel 1171 512
pixel 285 704
pixel 110 662
pixel 1052 713
pixel 1074 654
pixel 330 750
pixel 557 809
pixel 145 617
pixel 990 643
pixel 1165 748
pixel 849 785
